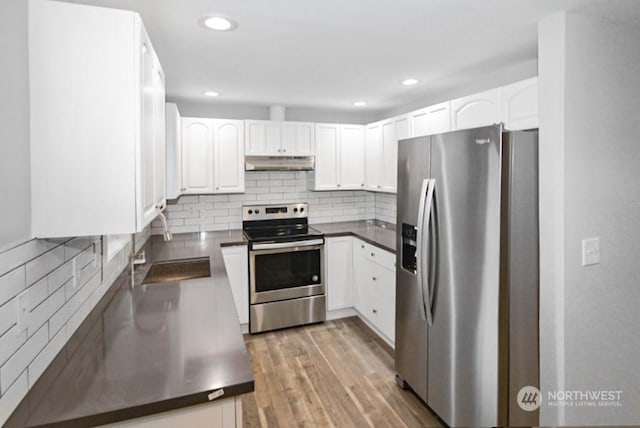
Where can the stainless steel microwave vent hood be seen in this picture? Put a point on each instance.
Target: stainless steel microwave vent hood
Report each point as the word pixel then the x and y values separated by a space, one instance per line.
pixel 279 163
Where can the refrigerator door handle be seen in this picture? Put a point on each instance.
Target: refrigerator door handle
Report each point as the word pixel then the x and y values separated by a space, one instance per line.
pixel 423 238
pixel 434 236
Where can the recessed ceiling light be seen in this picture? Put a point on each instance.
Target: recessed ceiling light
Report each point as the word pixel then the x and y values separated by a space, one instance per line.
pixel 218 23
pixel 212 93
pixel 409 82
pixel 360 103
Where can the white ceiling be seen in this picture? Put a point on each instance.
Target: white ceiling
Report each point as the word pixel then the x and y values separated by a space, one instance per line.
pixel 329 53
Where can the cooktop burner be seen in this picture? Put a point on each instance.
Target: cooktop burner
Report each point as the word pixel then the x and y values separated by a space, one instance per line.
pixel 278 223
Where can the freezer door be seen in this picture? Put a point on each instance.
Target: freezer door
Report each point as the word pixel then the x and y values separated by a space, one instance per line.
pixel 411 326
pixel 463 340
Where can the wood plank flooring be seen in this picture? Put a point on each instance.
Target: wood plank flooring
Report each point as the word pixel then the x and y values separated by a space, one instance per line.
pixel 335 374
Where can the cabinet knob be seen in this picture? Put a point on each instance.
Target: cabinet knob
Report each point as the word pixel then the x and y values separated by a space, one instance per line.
pixel 374 278
pixel 373 254
pixel 362 185
pixel 338 185
pixel 378 186
pixel 375 311
pixel 217 188
pixel 284 150
pixel 279 150
pixel 362 246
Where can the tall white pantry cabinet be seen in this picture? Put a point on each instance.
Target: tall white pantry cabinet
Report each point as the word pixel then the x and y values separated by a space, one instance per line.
pixel 97 121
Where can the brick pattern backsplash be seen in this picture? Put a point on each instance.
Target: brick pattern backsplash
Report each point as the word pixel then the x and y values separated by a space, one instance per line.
pixel 61 280
pixel 385 207
pixel 195 213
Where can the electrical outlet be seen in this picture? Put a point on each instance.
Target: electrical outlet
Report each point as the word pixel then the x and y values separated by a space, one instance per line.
pixel 590 251
pixel 22 319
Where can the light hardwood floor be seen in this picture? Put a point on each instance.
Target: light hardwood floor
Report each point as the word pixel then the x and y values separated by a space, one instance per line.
pixel 332 374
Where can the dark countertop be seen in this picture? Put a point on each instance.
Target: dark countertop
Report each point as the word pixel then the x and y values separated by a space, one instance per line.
pixel 376 233
pixel 149 349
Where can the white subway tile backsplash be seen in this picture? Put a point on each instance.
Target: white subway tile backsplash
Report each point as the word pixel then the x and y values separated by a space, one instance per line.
pixel 43 312
pixel 21 359
pixel 8 315
pixel 36 293
pixel 12 283
pixel 59 276
pixel 11 259
pixel 12 397
pixel 45 263
pixel 225 212
pixel 40 363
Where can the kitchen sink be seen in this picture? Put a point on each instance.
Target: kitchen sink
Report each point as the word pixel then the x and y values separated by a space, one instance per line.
pixel 178 270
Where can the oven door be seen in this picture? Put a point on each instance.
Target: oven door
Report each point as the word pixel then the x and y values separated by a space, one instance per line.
pixel 286 270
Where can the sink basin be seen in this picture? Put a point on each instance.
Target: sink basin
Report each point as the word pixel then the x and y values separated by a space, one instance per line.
pixel 178 270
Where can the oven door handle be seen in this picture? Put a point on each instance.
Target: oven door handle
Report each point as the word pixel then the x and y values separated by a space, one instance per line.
pixel 290 244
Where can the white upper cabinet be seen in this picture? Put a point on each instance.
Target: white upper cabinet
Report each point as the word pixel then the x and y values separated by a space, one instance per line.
pixel 212 155
pixel 197 155
pixel 262 137
pixel 327 149
pixel 476 110
pixel 339 157
pixel 229 156
pixel 298 138
pixel 434 119
pixel 374 156
pixel 96 121
pixel 519 104
pixel 275 138
pixel 351 157
pixel 173 137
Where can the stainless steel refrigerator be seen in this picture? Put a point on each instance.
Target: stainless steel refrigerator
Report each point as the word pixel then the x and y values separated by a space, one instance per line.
pixel 467 273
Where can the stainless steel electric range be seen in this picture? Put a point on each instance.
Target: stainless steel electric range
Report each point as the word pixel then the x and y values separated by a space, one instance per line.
pixel 286 267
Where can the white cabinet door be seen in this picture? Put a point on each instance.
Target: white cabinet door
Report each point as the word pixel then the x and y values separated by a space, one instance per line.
pixel 351 157
pixel 229 156
pixel 430 120
pixel 160 147
pixel 327 146
pixel 389 156
pixel 197 155
pixel 519 104
pixel 236 262
pixel 360 275
pixel 262 137
pixel 476 110
pixel 339 263
pixel 298 138
pixel 373 156
pixel 173 151
pixel 148 137
pixel 93 172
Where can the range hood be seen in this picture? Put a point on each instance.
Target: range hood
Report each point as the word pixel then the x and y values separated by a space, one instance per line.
pixel 279 163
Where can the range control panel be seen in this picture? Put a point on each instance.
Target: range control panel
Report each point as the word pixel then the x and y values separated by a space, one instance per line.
pixel 274 212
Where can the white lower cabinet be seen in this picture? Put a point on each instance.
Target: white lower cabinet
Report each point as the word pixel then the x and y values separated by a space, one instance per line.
pixel 374 278
pixel 222 413
pixel 339 272
pixel 236 263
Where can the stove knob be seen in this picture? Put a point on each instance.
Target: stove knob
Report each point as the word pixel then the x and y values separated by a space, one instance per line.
pixel 250 212
pixel 301 209
pixel 257 211
pixel 295 210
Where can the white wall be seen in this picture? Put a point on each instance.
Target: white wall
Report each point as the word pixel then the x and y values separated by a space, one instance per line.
pixel 15 217
pixel 222 110
pixel 590 187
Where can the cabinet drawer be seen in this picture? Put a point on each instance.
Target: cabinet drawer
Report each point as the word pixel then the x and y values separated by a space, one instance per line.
pixel 380 256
